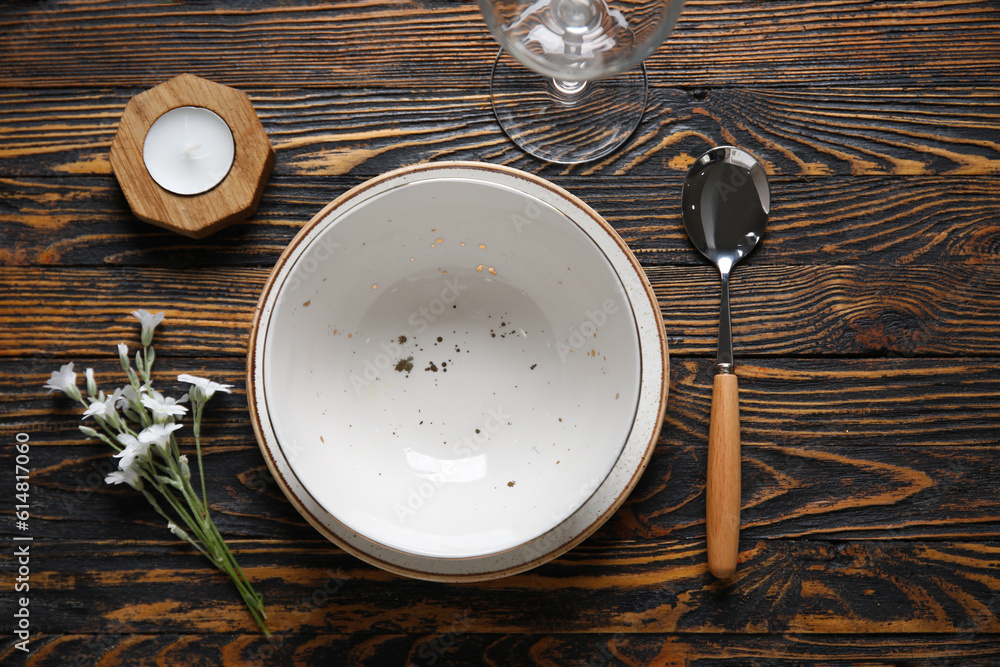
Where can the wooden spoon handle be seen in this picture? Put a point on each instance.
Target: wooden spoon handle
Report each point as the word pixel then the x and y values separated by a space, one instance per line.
pixel 723 483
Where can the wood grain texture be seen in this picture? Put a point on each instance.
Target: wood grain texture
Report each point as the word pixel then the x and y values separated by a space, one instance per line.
pixel 325 131
pixel 797 587
pixel 458 646
pixel 926 221
pixel 867 335
pixel 723 488
pixel 776 310
pixel 443 41
pixel 851 450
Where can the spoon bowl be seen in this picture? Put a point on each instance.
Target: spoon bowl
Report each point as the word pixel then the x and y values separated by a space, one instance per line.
pixel 726 201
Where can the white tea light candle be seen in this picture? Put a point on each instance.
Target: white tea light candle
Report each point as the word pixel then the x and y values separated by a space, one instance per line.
pixel 188 150
pixel 232 199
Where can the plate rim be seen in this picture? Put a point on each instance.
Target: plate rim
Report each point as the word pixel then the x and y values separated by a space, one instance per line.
pixel 517 559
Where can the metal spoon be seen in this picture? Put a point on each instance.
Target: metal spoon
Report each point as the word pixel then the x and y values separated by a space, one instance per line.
pixel 725 202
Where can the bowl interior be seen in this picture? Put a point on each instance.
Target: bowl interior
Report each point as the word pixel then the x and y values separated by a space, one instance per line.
pixel 451 366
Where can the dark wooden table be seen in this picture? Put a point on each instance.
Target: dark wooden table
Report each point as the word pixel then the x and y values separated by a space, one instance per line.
pixel 867 333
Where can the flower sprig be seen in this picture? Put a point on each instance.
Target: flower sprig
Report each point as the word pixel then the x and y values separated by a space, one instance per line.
pixel 139 423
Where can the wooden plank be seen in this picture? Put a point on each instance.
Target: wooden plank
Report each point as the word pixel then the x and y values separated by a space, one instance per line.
pixel 796 404
pixel 457 645
pixel 783 586
pixel 841 491
pixel 323 132
pixel 843 220
pixel 858 450
pixel 831 310
pixel 308 43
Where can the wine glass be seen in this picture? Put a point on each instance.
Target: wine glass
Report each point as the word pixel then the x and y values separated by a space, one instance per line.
pixel 593 91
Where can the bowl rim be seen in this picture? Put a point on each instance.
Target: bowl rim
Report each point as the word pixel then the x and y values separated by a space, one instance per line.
pixel 562 537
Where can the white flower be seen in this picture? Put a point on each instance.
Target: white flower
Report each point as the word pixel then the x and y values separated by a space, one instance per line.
pixel 207 387
pixel 123 356
pixel 148 322
pixel 91 383
pixel 96 409
pixel 124 397
pixel 128 475
pixel 102 408
pixel 162 407
pixel 147 319
pixel 64 380
pixel 158 434
pixel 133 449
pixel 128 439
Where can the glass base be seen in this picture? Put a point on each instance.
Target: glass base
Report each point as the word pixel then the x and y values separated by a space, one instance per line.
pixel 566 122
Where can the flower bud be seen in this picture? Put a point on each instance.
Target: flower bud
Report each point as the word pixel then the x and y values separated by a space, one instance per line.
pixel 148 321
pixel 185 468
pixel 177 530
pixel 89 432
pixel 123 356
pixel 112 418
pixel 73 392
pixel 91 383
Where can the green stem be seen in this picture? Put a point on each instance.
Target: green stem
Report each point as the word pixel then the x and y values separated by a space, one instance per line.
pixel 137 406
pixel 195 526
pixel 111 433
pixel 258 599
pixel 222 558
pixel 171 468
pixel 213 546
pixel 159 510
pixel 109 442
pixel 197 407
pixel 147 366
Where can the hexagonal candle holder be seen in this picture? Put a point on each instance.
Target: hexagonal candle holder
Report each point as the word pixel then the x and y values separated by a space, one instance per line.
pixel 176 164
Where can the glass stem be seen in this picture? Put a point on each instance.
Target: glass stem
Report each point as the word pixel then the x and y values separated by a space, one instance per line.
pixel 568 92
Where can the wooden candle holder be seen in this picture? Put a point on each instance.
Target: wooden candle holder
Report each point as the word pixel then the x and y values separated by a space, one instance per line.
pixel 233 199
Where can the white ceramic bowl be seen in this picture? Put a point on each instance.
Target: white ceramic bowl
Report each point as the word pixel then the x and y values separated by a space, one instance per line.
pixel 448 363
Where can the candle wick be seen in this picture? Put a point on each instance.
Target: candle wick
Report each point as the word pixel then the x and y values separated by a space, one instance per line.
pixel 187 152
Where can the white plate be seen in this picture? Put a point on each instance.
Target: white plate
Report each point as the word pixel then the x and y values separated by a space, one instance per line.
pixel 457 371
